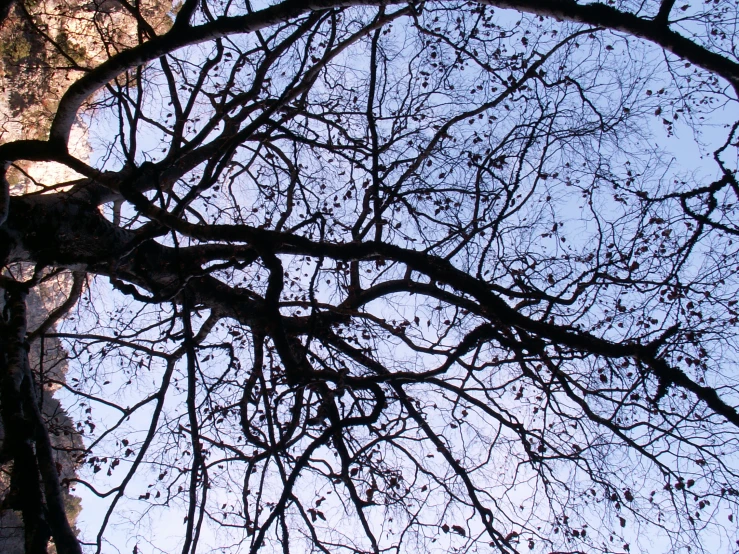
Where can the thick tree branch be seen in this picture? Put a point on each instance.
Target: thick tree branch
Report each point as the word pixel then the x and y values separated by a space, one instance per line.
pixel 663 14
pixel 28 439
pixel 596 14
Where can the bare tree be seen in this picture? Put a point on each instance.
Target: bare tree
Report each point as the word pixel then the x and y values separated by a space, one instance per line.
pixel 386 277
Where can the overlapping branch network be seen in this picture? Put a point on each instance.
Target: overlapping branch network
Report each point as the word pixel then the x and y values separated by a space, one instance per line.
pixel 372 276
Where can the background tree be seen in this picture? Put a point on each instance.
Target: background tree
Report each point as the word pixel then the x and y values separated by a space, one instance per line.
pixel 374 276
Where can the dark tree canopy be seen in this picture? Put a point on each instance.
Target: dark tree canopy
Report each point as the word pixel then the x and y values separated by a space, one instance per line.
pixel 354 276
